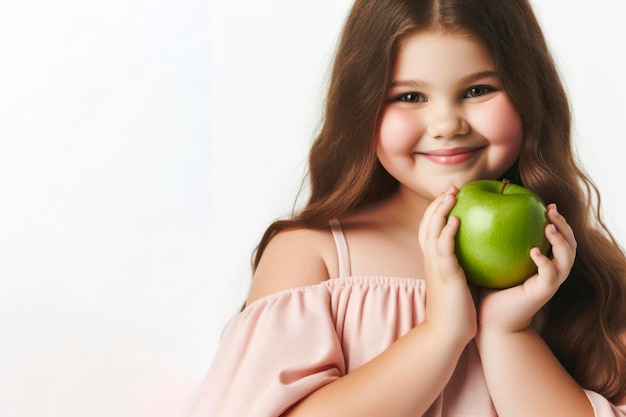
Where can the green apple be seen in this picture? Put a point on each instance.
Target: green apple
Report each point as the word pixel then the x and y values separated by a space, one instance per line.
pixel 499 223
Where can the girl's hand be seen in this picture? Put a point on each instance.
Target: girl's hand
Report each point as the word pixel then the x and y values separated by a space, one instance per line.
pixel 513 309
pixel 450 308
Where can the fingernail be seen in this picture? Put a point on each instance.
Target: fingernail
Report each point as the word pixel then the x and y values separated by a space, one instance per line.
pixel 553 229
pixel 556 211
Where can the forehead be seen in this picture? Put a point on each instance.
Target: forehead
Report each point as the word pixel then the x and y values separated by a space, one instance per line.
pixel 437 54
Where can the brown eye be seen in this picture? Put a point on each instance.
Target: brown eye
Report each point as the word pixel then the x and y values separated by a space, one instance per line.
pixel 477 91
pixel 412 98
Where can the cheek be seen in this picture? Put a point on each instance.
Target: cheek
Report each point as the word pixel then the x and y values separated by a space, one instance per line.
pixel 500 123
pixel 399 130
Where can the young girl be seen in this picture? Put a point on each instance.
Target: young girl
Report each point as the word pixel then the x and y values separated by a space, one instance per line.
pixel 358 306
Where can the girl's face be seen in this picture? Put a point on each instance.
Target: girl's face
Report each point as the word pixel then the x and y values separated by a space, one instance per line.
pixel 447 120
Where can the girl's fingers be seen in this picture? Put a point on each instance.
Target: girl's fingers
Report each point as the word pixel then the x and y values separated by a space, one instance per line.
pixel 435 216
pixel 440 251
pixel 551 273
pixel 446 243
pixel 543 285
pixel 561 237
pixel 562 226
pixel 437 232
pixel 439 217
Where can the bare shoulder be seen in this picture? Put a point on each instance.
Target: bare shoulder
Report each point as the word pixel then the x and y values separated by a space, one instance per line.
pixel 294 258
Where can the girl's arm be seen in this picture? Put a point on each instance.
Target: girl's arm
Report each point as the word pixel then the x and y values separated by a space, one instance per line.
pixel 525 379
pixel 405 379
pixel 523 376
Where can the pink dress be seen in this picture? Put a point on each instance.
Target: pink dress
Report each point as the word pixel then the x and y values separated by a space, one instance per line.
pixel 287 345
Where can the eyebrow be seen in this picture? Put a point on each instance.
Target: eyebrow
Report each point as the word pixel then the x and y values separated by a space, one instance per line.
pixel 468 79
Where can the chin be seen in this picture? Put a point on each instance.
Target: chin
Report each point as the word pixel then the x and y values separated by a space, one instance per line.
pixel 458 182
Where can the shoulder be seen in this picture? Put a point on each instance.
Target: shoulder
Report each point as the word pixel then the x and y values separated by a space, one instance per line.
pixel 294 258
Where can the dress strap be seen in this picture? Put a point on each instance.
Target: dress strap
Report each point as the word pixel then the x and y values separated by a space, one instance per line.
pixel 342 248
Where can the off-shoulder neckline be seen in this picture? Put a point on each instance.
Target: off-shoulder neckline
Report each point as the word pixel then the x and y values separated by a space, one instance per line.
pixel 373 280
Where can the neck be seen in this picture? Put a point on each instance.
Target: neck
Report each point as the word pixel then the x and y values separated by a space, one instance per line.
pixel 408 208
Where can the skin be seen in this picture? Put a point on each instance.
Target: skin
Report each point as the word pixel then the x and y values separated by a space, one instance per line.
pixel 445 95
pixel 447 118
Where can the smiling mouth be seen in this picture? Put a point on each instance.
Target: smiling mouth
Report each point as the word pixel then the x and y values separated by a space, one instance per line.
pixel 451 156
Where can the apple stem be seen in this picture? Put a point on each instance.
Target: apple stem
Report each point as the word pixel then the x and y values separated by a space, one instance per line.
pixel 504 183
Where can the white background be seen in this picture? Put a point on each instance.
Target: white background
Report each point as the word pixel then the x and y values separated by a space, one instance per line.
pixel 146 145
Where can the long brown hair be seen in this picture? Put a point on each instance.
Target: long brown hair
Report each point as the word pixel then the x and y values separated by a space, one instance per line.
pixel 587 314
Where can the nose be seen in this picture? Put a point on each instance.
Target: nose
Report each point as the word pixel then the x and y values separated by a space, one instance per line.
pixel 447 123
